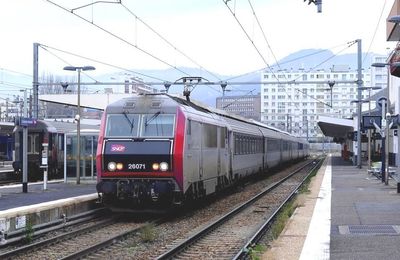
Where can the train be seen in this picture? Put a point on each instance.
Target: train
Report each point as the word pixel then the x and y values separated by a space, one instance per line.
pixel 157 150
pixel 6 141
pixel 51 132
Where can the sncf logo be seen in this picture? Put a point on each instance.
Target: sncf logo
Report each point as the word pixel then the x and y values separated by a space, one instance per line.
pixel 117 148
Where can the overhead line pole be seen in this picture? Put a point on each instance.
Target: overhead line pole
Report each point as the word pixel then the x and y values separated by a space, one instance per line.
pixel 359 88
pixel 35 82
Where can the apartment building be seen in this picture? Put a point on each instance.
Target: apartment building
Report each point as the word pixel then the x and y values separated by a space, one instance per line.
pixel 296 107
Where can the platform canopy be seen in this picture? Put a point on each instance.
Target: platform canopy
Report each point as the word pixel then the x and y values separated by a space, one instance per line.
pixel 335 127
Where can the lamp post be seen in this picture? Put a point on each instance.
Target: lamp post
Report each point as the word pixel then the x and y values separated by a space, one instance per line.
pixel 78 118
pixel 331 84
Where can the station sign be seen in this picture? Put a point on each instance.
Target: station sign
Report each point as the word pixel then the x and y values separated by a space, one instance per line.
pixel 26 121
pixel 380 102
pixel 368 121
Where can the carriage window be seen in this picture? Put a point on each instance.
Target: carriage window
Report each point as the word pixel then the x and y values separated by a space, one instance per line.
pixel 223 137
pixel 33 144
pixel 158 125
pixel 124 125
pixel 189 127
pixel 210 136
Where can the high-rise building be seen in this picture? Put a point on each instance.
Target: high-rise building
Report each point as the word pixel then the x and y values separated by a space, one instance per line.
pixel 296 107
pixel 248 106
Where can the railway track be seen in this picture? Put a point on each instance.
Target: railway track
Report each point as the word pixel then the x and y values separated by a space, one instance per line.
pixel 120 239
pixel 231 236
pixel 76 244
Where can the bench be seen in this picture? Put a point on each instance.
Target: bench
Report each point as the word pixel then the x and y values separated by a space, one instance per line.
pixel 375 170
pixel 395 176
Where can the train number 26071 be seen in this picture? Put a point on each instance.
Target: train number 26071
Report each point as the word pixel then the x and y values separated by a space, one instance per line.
pixel 136 166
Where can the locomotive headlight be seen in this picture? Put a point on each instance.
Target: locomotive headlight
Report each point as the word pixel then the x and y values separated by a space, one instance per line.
pixel 112 166
pixel 163 166
pixel 155 166
pixel 120 166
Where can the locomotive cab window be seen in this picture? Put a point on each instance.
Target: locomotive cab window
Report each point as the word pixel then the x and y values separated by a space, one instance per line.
pixel 124 125
pixel 157 125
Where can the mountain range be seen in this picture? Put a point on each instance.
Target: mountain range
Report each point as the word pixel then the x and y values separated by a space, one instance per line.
pixel 308 60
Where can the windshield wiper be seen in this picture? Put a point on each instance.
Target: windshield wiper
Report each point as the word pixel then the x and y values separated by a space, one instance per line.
pixel 131 123
pixel 152 118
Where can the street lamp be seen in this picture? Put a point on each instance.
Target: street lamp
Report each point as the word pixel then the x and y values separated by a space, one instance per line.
pixel 78 118
pixel 331 84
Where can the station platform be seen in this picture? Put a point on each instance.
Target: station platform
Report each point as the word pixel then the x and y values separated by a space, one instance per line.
pixel 348 214
pixel 39 206
pixel 365 214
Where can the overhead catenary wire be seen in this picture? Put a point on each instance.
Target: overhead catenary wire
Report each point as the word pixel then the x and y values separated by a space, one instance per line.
pixel 287 61
pixel 376 29
pixel 252 42
pixel 310 70
pixel 63 60
pixel 103 63
pixel 168 42
pixel 16 72
pixel 245 32
pixel 119 38
pixel 272 52
pixel 277 62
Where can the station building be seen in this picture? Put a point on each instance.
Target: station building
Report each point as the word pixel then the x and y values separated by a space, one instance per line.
pixel 345 132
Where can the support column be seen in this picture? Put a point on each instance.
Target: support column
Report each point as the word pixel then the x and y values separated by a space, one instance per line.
pixel 35 82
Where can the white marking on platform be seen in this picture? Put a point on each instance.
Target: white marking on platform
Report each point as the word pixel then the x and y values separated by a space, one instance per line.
pixel 29 184
pixel 47 205
pixel 317 244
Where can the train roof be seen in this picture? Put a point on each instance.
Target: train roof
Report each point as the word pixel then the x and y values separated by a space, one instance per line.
pixel 125 102
pixel 223 113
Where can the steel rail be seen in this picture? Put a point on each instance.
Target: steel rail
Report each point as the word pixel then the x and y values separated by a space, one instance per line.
pixel 191 240
pixel 259 234
pixel 109 242
pixel 50 241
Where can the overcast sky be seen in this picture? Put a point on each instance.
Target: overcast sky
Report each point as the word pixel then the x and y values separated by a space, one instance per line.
pixel 205 31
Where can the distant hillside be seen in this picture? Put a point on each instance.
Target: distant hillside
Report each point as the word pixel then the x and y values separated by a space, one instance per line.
pixel 306 59
pixel 322 59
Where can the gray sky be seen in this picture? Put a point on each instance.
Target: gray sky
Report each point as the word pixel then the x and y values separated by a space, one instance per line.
pixel 204 30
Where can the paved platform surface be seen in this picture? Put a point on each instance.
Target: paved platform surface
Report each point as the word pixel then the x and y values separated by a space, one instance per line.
pixel 11 196
pixel 365 215
pixel 364 219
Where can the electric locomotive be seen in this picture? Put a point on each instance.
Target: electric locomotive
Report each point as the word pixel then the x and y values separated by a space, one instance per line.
pixel 157 149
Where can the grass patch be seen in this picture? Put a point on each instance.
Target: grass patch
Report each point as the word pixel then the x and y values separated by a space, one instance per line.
pixel 280 222
pixel 29 232
pixel 256 252
pixel 147 233
pixel 305 187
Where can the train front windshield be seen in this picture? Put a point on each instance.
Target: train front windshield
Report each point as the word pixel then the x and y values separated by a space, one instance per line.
pixel 135 125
